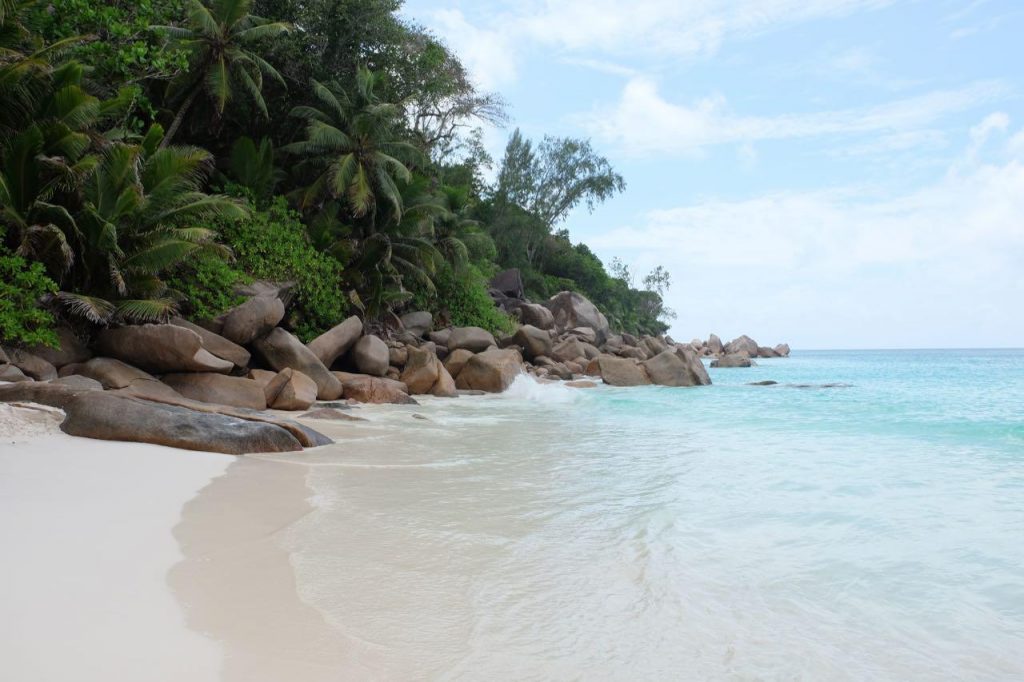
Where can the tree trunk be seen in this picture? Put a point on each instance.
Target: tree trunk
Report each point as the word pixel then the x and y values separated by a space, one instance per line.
pixel 179 117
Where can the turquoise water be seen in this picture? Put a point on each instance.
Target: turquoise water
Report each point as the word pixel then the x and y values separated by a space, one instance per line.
pixel 862 519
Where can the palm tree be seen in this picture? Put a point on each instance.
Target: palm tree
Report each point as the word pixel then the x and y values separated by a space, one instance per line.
pixel 220 40
pixel 352 147
pixel 143 214
pixel 458 237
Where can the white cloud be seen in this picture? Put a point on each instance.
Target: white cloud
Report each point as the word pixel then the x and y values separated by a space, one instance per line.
pixel 940 266
pixel 643 121
pixel 487 53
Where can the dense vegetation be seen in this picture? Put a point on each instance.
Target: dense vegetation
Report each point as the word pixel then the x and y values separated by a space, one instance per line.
pixel 154 155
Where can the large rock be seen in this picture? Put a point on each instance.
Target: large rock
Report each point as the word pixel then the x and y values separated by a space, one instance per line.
pixel 44 393
pixel 742 344
pixel 218 389
pixel 418 323
pixel 621 371
pixel 509 283
pixel 676 368
pixel 13 374
pixel 282 350
pixel 106 416
pixel 584 334
pixel 247 322
pixel 290 390
pixel 533 340
pixel 32 365
pixel 653 346
pixel 369 389
pixel 472 339
pixel 445 386
pixel 732 360
pixel 70 349
pixel 766 352
pixel 492 371
pixel 337 341
pixel 370 356
pixel 783 350
pixel 573 310
pixel 116 375
pixel 440 337
pixel 217 344
pixel 160 348
pixel 456 360
pixel 421 371
pixel 78 381
pixel 714 344
pixel 567 350
pixel 536 315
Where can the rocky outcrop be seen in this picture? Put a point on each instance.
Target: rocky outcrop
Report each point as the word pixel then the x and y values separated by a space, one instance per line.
pixel 70 349
pixel 617 371
pixel 534 341
pixel 78 381
pixel 766 352
pixel 282 350
pixel 732 360
pixel 218 389
pixel 116 375
pixel 676 367
pixel 337 341
pixel 418 323
pixel 570 310
pixel 783 350
pixel 160 348
pixel 569 349
pixel 456 360
pixel 290 389
pixel 492 371
pixel 424 373
pixel 107 416
pixel 473 339
pixel 252 319
pixel 715 344
pixel 370 356
pixel 216 344
pixel 13 374
pixel 369 389
pixel 741 344
pixel 31 365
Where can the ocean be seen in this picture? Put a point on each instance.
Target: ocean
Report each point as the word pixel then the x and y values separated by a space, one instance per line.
pixel 862 519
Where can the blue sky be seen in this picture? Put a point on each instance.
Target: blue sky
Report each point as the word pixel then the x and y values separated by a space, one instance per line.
pixel 831 173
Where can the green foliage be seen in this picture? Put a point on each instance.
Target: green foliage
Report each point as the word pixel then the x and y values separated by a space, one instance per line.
pixel 272 244
pixel 462 299
pixel 206 287
pixel 22 320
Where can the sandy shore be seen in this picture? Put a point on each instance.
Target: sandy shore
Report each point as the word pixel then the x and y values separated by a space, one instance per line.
pixel 86 531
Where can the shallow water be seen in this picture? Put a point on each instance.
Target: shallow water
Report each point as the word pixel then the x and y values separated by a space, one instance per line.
pixel 868 530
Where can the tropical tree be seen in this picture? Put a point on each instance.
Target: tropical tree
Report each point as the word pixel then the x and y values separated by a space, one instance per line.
pixel 354 150
pixel 221 41
pixel 143 213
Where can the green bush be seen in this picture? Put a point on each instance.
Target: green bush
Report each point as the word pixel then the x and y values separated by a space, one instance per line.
pixel 272 244
pixel 22 320
pixel 207 287
pixel 463 297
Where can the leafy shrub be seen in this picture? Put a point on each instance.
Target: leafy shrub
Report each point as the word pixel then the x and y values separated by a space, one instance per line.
pixel 272 244
pixel 22 320
pixel 463 297
pixel 206 287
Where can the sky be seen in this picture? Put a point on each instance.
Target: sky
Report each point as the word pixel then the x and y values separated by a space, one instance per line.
pixel 829 173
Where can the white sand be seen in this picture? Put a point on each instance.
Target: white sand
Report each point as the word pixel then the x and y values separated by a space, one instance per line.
pixel 85 548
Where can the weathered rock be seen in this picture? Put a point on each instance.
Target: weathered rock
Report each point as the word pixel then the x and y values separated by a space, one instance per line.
pixel 581 383
pixel 766 382
pixel 106 416
pixel 714 344
pixel 13 374
pixel 584 334
pixel 290 390
pixel 472 339
pixel 421 371
pixel 731 360
pixel 418 323
pixel 332 414
pixel 3 357
pixel 533 341
pixel 589 352
pixel 218 389
pixel 575 366
pixel 398 356
pixel 393 373
pixel 652 346
pixel 78 381
pixel 262 376
pixel 116 375
pixel 70 349
pixel 337 341
pixel 456 360
pixel 492 371
pixel 370 355
pixel 160 348
pixel 247 322
pixel 593 368
pixel 440 337
pixel 282 350
pixel 766 352
pixel 31 365
pixel 629 340
pixel 783 350
pixel 572 310
pixel 536 315
pixel 621 371
pixel 632 352
pixel 509 283
pixel 567 350
pixel 742 344
pixel 369 389
pixel 445 386
pixel 44 393
pixel 216 344
pixel 675 368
